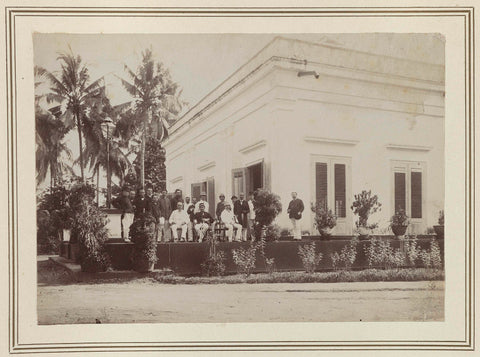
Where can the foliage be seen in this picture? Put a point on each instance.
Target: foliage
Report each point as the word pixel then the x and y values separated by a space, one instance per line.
pixel 380 253
pixel 89 228
pixel 214 265
pixel 244 259
pixel 431 258
pixel 324 218
pixel 400 218
pixel 310 259
pixel 74 93
pixel 441 218
pixel 411 250
pixel 267 207
pixel 142 234
pixel 271 232
pixel 346 257
pixel 48 238
pixel 364 205
pixel 155 174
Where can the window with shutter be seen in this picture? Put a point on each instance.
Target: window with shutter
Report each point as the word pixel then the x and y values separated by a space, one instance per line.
pixel 400 189
pixel 340 190
pixel 321 183
pixel 416 194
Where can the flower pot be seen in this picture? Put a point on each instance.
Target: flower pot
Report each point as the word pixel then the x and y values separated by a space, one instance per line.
pixel 439 230
pixel 326 233
pixel 399 230
pixel 363 233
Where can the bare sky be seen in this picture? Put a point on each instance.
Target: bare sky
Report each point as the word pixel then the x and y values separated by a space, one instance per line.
pixel 200 62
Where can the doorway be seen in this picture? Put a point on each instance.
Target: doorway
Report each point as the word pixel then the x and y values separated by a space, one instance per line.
pixel 255 177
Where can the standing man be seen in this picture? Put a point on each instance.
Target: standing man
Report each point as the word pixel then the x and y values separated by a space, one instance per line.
pixel 190 207
pixel 230 221
pixel 165 211
pixel 142 204
pixel 150 193
pixel 241 209
pixel 251 216
pixel 176 198
pixel 157 213
pixel 202 222
pixel 220 206
pixel 132 198
pixel 295 209
pixel 179 219
pixel 203 199
pixel 123 203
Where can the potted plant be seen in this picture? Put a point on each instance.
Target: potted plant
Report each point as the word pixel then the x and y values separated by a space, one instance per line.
pixel 142 234
pixel 439 230
pixel 324 219
pixel 364 205
pixel 399 223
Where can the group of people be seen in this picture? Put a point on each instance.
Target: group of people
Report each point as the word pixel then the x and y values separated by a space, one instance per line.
pixel 187 216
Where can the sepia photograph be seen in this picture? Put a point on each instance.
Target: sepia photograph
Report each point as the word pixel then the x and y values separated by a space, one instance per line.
pixel 239 177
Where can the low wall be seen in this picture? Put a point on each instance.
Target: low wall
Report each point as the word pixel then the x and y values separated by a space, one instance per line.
pixel 186 258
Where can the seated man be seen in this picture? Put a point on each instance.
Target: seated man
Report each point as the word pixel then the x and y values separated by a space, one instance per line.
pixel 202 221
pixel 179 219
pixel 230 221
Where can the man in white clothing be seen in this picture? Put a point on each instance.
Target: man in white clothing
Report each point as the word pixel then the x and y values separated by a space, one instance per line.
pixel 179 219
pixel 230 221
pixel 251 216
pixel 203 199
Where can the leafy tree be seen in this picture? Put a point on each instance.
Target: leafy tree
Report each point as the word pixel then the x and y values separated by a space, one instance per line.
pixel 74 92
pixel 156 104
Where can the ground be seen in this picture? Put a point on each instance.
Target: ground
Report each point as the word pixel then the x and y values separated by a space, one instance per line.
pixel 146 300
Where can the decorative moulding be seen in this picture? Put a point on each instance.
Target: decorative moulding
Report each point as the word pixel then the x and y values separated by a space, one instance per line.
pixel 253 146
pixel 176 179
pixel 206 165
pixel 316 139
pixel 408 147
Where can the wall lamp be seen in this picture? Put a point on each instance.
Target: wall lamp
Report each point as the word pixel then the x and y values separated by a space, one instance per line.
pixel 308 73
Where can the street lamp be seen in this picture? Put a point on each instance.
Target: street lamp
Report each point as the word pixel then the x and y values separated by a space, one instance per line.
pixel 107 122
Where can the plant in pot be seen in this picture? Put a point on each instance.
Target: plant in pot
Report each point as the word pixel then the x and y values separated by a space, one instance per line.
pixel 324 220
pixel 439 230
pixel 399 223
pixel 142 234
pixel 267 207
pixel 364 205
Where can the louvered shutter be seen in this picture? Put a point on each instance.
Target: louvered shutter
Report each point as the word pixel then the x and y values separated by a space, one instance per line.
pixel 340 190
pixel 416 194
pixel 321 188
pixel 211 196
pixel 400 198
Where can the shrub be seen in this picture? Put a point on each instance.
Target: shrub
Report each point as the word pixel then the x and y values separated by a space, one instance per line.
pixel 272 232
pixel 347 256
pixel 435 255
pixel 411 250
pixel 400 218
pixel 142 234
pixel 324 218
pixel 89 229
pixel 214 265
pixel 364 205
pixel 310 259
pixel 244 259
pixel 267 207
pixel 381 254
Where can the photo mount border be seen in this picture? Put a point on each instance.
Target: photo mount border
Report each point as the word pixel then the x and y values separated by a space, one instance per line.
pixel 467 12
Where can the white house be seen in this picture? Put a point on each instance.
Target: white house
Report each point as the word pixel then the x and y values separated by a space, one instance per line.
pixel 322 120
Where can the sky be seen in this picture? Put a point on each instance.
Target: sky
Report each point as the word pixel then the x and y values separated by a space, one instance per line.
pixel 200 62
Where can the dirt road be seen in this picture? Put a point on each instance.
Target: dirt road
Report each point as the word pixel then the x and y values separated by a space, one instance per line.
pixel 149 301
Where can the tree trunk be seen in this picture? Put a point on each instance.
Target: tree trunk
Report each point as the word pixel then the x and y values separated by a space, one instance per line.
pixel 98 186
pixel 81 147
pixel 142 150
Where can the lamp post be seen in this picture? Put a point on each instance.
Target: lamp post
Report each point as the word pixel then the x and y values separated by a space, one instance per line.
pixel 107 122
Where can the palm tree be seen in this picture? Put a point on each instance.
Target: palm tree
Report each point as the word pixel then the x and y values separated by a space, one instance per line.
pixel 76 95
pixel 156 103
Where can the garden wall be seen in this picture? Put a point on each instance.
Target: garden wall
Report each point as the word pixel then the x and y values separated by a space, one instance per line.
pixel 186 258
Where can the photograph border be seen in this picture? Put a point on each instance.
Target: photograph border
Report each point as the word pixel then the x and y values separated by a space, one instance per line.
pixel 13 12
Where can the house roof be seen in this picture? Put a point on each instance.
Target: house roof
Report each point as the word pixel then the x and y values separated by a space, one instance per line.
pixel 328 54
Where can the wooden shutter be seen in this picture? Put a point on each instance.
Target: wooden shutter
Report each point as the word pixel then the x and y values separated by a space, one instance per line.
pixel 321 187
pixel 340 190
pixel 400 189
pixel 196 187
pixel 416 194
pixel 211 196
pixel 238 181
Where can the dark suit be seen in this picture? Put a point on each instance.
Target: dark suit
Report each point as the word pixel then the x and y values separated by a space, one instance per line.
pixel 220 208
pixel 241 209
pixel 156 210
pixel 142 205
pixel 202 217
pixel 174 201
pixel 190 209
pixel 165 207
pixel 295 208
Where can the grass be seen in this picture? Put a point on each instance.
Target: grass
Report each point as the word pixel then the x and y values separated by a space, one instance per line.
pixel 52 274
pixel 340 276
